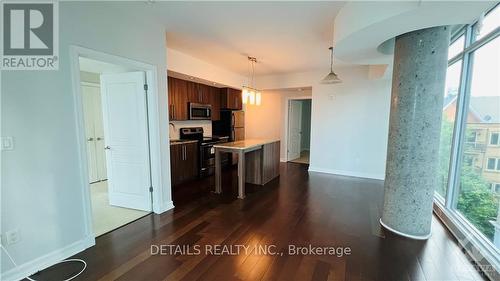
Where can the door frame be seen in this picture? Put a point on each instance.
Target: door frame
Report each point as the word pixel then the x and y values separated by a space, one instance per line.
pixel 160 188
pixel 286 123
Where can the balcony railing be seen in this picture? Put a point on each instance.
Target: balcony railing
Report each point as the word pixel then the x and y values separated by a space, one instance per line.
pixel 475 146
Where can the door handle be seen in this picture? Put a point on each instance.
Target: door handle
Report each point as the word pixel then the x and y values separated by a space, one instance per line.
pixel 100 139
pixel 90 139
pixel 107 147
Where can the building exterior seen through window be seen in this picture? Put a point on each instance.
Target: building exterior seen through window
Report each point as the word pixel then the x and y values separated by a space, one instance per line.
pixel 469 182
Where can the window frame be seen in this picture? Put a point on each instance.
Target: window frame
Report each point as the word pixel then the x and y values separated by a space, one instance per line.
pixel 496 166
pixel 479 247
pixel 491 138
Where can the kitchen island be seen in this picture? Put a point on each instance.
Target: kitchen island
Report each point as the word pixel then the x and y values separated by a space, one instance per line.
pixel 258 162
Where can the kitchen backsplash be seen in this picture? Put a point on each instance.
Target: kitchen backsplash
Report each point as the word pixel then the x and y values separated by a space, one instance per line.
pixel 205 124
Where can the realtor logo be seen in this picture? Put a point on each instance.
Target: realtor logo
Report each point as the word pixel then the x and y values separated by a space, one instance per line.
pixel 29 36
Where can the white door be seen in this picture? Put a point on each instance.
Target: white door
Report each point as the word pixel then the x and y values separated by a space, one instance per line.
pixel 126 139
pixel 99 137
pixel 294 129
pixel 88 117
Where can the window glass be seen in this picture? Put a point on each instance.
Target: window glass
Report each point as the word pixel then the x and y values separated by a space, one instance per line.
pixel 477 202
pixel 456 47
pixel 491 163
pixel 494 138
pixel 490 22
pixel 447 123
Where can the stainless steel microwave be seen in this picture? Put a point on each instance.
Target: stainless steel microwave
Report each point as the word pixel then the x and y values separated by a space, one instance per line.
pixel 198 111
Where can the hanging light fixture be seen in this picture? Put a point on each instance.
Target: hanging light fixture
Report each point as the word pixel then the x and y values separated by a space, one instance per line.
pixel 332 77
pixel 249 93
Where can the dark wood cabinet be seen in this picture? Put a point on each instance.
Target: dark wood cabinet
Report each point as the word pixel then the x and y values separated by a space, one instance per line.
pixel 183 162
pixel 214 100
pixel 198 93
pixel 177 99
pixel 182 92
pixel 231 99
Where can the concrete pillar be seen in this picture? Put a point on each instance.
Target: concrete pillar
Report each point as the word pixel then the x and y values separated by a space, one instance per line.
pixel 418 81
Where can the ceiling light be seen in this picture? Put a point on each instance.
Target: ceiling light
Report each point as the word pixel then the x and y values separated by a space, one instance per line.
pixel 332 77
pixel 250 94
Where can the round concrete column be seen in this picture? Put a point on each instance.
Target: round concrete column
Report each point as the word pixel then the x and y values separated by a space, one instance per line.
pixel 418 80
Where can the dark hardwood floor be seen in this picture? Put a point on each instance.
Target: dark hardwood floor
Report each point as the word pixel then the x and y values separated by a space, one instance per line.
pixel 299 208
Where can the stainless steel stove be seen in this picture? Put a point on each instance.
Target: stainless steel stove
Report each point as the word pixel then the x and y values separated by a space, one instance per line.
pixel 206 150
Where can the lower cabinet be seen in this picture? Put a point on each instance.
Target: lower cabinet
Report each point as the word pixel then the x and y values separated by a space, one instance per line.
pixel 183 162
pixel 263 165
pixel 271 161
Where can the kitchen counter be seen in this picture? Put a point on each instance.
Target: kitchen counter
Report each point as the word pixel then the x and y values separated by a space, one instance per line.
pixel 258 162
pixel 175 142
pixel 247 144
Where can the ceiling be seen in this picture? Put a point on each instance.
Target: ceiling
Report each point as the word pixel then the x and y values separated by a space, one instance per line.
pixel 284 36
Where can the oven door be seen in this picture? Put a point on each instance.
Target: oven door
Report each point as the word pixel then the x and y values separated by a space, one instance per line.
pixel 200 111
pixel 207 160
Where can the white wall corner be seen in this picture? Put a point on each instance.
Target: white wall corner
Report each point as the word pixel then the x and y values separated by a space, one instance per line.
pixel 374 176
pixel 169 205
pixel 23 270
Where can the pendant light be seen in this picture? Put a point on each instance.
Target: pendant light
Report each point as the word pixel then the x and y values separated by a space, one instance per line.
pixel 249 93
pixel 332 77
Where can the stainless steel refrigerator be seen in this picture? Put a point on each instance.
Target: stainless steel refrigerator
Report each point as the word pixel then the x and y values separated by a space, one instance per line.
pixel 231 124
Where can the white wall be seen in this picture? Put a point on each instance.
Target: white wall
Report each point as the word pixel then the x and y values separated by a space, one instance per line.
pixel 267 121
pixel 349 132
pixel 349 122
pixel 41 180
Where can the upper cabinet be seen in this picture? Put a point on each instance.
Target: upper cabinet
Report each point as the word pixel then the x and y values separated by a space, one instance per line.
pixel 177 99
pixel 231 99
pixel 214 99
pixel 182 92
pixel 198 93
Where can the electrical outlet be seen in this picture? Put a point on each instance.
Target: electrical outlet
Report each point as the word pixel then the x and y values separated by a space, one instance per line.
pixel 12 237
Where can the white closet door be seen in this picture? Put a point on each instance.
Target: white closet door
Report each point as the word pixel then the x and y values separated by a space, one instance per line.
pixel 99 133
pixel 294 129
pixel 127 152
pixel 88 94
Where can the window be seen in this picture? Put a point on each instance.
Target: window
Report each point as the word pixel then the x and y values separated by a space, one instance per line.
pixel 495 139
pixel 476 202
pixel 456 47
pixel 490 22
pixel 447 124
pixel 495 187
pixel 469 153
pixel 492 163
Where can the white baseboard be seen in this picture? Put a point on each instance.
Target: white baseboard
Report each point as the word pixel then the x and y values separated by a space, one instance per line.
pixel 23 270
pixel 347 173
pixel 165 207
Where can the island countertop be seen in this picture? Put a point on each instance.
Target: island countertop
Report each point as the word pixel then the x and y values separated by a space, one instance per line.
pixel 244 144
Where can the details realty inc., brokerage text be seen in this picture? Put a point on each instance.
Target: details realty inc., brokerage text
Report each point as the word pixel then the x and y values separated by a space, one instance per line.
pixel 241 249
